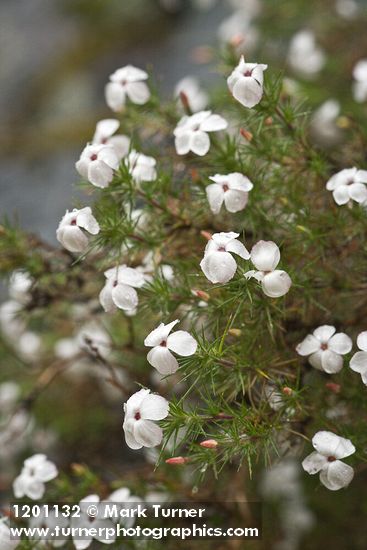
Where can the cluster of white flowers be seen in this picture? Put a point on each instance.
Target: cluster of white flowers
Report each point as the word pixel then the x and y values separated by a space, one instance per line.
pixel 360 81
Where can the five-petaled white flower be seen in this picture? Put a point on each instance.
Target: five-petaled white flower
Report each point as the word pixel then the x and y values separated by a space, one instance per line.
pixel 196 98
pixel 141 409
pixel 325 348
pixel 36 471
pixel 246 83
pixel 97 163
pixel 141 167
pixel 92 527
pixel 348 184
pixel 360 84
pixel 127 82
pixel 191 132
pixel 72 229
pixel 162 342
pixel 329 449
pixel 218 265
pixel 119 290
pixel 231 189
pixel 358 363
pixel 265 256
pixel 104 136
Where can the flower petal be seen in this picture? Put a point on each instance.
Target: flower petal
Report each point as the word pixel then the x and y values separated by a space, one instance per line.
pixel 87 221
pixel 340 343
pixel 324 333
pixel 337 475
pixel 213 123
pixel 72 238
pixel 330 444
pixel 147 433
pixel 125 297
pixel 159 334
pixel 358 192
pixel 276 284
pixel 341 194
pixel 236 247
pixel 162 359
pixel 199 143
pixel 129 435
pixel 105 298
pixel 314 462
pixel 115 96
pixel 265 255
pixel 331 362
pixel 358 363
pixel 138 92
pixel 218 267
pixel 154 407
pixel 130 276
pixel 182 343
pixel 247 91
pixel 182 143
pixel 362 341
pixel 235 200
pixel 215 195
pixel 315 360
pixel 309 345
pixel 99 174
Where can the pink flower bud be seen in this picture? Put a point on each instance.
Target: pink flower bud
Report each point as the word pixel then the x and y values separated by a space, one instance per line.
pixel 176 460
pixel 209 444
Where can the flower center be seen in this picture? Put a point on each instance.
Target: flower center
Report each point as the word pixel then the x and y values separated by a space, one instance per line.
pixel 225 187
pixel 73 222
pixel 196 128
pixel 247 73
pixel 137 416
pixel 163 344
pixel 331 458
pixel 221 249
pixel 115 283
pixel 93 157
pixel 324 346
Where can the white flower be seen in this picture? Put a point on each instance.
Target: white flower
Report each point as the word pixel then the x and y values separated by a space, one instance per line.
pixel 348 184
pixel 358 363
pixel 304 56
pixel 347 9
pixel 141 167
pixel 196 97
pixel 50 521
pixel 20 284
pixel 29 346
pixel 162 342
pixel 36 471
pixel 246 83
pixel 231 189
pixel 323 122
pixel 73 229
pixel 360 84
pixel 97 163
pixel 119 290
pixel 191 132
pixel 237 30
pixel 218 265
pixel 9 395
pixel 11 323
pixel 330 448
pixel 127 82
pixel 6 543
pixel 141 409
pixel 325 348
pixel 85 523
pixel 265 256
pixel 274 397
pixel 128 501
pixel 104 136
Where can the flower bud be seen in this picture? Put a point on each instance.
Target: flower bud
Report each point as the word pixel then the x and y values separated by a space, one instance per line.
pixel 235 332
pixel 333 387
pixel 177 460
pixel 206 234
pixel 246 134
pixel 201 294
pixel 209 444
pixel 287 391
